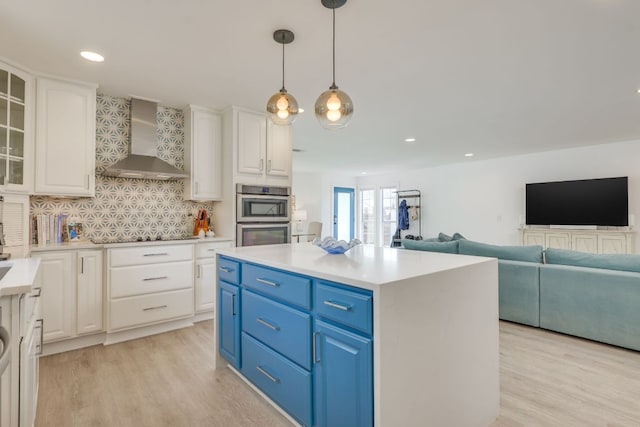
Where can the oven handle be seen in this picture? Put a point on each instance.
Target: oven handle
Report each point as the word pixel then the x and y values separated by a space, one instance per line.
pixel 242 225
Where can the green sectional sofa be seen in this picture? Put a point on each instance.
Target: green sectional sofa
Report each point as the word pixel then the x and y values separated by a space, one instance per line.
pixel 590 296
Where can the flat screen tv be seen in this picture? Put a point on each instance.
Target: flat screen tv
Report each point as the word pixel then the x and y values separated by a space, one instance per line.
pixel 584 202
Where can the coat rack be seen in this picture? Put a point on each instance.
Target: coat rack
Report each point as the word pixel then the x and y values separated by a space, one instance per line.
pixel 414 200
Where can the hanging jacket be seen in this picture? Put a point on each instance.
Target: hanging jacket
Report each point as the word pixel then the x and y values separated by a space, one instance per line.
pixel 403 216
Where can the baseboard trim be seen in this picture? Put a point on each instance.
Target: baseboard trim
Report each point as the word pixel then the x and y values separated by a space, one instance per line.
pixel 73 344
pixel 132 334
pixel 199 317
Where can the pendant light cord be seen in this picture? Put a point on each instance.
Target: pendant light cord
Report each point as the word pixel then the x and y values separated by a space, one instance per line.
pixel 333 86
pixel 283 89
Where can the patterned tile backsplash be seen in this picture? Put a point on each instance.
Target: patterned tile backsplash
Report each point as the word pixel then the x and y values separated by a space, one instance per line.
pixel 126 208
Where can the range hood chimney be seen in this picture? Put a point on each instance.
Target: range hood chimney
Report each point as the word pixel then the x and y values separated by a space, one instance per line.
pixel 142 161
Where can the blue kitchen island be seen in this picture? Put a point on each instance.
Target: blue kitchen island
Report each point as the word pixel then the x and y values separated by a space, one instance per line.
pixel 377 336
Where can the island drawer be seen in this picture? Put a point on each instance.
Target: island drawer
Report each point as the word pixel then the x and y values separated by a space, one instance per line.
pixel 345 306
pixel 278 284
pixel 281 327
pixel 142 309
pixel 229 270
pixel 284 382
pixel 146 279
pixel 150 255
pixel 209 249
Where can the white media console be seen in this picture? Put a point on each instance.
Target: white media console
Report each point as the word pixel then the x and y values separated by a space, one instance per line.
pixel 593 241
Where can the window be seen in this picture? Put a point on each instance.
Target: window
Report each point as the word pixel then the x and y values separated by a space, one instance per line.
pixel 389 215
pixel 378 215
pixel 367 216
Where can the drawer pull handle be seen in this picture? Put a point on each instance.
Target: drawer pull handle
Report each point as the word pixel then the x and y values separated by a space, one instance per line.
pixel 268 325
pixel 211 250
pixel 267 282
pixel 155 278
pixel 315 347
pixel 226 270
pixel 38 294
pixel 267 374
pixel 158 254
pixel 338 306
pixel 155 308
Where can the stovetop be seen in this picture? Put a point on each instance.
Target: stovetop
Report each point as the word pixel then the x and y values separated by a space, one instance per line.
pixel 158 238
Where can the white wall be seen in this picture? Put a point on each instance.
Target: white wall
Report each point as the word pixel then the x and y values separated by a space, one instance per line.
pixel 483 200
pixel 314 193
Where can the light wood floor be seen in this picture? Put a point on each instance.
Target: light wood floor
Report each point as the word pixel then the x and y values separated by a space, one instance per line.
pixel 547 379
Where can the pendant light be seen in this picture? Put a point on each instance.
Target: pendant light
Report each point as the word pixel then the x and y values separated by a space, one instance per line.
pixel 282 107
pixel 334 108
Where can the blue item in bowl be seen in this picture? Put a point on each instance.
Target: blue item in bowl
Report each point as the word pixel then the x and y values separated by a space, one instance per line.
pixel 334 246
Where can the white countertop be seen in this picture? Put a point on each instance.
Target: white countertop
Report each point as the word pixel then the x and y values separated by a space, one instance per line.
pixel 20 278
pixel 364 266
pixel 66 246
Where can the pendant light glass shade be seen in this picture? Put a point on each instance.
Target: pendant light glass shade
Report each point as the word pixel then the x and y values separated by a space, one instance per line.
pixel 334 107
pixel 282 106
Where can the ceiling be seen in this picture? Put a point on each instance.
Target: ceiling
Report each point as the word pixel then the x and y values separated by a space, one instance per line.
pixel 495 77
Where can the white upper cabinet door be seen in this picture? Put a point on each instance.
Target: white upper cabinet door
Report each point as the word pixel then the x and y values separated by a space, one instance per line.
pixel 16 130
pixel 278 150
pixel 252 137
pixel 203 154
pixel 65 138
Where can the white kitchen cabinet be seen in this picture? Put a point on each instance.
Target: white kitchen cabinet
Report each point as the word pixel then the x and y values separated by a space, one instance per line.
pixel 30 350
pixel 263 149
pixel 148 285
pixel 57 271
pixel 203 153
pixel 252 142
pixel 65 138
pixel 89 292
pixel 72 293
pixel 16 130
pixel 278 150
pixel 205 283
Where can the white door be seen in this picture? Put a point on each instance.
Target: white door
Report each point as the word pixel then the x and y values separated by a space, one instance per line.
pixel 252 138
pixel 205 284
pixel 278 150
pixel 89 292
pixel 207 156
pixel 58 281
pixel 65 138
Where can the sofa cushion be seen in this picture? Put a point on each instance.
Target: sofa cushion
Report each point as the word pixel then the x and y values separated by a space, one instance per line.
pixel 421 245
pixel 622 262
pixel 444 237
pixel 592 303
pixel 458 236
pixel 513 253
pixel 519 291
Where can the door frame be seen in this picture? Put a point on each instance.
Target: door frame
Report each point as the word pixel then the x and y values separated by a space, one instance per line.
pixel 351 191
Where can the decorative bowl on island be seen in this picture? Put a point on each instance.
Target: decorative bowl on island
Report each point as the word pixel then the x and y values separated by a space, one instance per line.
pixel 334 246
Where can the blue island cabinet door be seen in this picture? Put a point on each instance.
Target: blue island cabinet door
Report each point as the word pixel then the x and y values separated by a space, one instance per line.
pixel 229 323
pixel 343 378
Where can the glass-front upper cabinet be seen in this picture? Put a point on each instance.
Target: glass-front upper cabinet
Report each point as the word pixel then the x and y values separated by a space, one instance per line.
pixel 16 129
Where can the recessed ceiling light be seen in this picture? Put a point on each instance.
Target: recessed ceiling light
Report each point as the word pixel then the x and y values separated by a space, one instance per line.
pixel 300 110
pixel 363 173
pixel 409 140
pixel 92 56
pixel 469 155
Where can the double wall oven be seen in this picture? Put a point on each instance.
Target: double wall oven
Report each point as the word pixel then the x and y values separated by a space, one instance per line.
pixel 262 215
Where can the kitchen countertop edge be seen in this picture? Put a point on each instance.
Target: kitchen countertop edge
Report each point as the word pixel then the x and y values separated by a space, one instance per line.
pixel 20 278
pixel 67 246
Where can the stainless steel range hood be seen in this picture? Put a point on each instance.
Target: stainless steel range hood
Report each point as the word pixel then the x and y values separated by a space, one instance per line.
pixel 142 161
